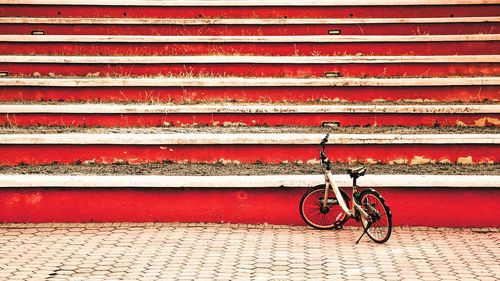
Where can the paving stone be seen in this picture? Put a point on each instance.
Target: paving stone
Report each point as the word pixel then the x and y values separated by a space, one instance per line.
pixel 241 252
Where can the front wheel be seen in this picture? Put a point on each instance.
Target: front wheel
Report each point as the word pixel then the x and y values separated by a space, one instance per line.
pixel 380 227
pixel 313 213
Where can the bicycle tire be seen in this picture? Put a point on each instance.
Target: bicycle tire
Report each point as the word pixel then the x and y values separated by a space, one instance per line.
pixel 310 208
pixel 380 231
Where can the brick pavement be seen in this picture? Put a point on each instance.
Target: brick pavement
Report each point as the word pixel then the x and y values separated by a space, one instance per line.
pixel 129 251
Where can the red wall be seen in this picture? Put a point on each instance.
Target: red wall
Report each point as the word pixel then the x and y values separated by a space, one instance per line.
pixel 453 207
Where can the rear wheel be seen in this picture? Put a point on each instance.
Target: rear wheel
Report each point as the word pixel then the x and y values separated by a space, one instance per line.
pixel 381 226
pixel 313 213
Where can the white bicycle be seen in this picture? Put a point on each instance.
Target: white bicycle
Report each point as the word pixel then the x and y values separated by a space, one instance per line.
pixel 326 206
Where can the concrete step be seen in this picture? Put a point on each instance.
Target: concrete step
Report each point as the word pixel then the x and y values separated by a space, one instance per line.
pixel 326 45
pixel 42 198
pixel 249 9
pixel 217 89
pixel 142 115
pixel 18 149
pixel 248 26
pixel 252 66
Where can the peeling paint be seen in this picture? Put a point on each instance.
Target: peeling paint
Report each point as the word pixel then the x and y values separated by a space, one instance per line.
pixel 465 160
pixel 399 161
pixel 486 161
pixel 313 161
pixel 444 161
pixel 95 74
pixel 87 162
pixel 487 121
pixel 163 147
pixel 34 198
pixel 119 161
pixel 418 160
pixel 233 124
pixel 370 161
pixel 460 124
pixel 224 161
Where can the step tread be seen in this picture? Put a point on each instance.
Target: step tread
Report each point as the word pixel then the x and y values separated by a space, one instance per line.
pixel 102 108
pixel 252 130
pixel 247 39
pixel 249 59
pixel 244 139
pixel 249 82
pixel 233 3
pixel 282 181
pixel 244 21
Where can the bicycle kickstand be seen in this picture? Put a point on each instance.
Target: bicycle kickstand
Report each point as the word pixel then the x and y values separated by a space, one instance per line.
pixel 365 231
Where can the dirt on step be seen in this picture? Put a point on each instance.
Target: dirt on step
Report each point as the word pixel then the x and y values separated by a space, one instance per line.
pixel 219 169
pixel 253 130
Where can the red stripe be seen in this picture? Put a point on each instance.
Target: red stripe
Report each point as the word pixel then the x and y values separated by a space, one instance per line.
pixel 252 94
pixel 431 207
pixel 46 154
pixel 274 49
pixel 258 70
pixel 249 119
pixel 420 11
pixel 224 30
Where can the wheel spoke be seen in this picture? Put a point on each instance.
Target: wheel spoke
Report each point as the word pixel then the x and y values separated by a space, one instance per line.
pixel 311 207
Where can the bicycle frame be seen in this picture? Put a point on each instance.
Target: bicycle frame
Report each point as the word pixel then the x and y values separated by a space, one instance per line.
pixel 330 183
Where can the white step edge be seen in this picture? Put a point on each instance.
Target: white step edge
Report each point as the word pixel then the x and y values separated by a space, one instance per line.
pixel 246 21
pixel 249 59
pixel 249 82
pixel 244 139
pixel 271 181
pixel 176 3
pixel 247 39
pixel 245 109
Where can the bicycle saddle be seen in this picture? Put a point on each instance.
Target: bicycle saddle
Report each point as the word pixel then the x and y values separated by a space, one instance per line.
pixel 357 172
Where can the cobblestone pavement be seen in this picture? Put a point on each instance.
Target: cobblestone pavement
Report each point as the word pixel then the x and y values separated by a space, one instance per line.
pixel 126 251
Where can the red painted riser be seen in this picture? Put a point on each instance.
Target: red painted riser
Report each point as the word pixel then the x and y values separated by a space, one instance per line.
pixel 271 49
pixel 220 30
pixel 251 94
pixel 415 207
pixel 259 70
pixel 250 12
pixel 46 154
pixel 274 119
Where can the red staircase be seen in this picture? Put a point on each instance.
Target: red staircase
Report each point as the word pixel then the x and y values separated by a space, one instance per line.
pixel 233 63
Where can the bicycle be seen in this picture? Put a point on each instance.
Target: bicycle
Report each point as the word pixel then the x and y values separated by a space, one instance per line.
pixel 326 206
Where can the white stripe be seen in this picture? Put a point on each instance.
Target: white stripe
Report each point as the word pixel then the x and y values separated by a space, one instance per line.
pixel 246 21
pixel 175 3
pixel 249 82
pixel 249 59
pixel 247 39
pixel 274 181
pixel 245 109
pixel 243 139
